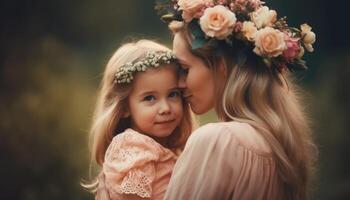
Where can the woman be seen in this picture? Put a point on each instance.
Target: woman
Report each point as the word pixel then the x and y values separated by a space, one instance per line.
pixel 236 58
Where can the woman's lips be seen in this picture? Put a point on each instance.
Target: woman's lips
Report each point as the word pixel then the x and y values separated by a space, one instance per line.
pixel 187 97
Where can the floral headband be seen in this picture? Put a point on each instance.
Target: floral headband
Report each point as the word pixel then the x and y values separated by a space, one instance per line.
pixel 242 24
pixel 153 59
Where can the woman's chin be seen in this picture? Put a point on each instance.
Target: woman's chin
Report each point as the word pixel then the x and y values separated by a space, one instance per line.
pixel 198 110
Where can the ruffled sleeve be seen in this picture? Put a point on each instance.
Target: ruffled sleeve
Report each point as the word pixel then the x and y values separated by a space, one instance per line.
pixel 129 166
pixel 215 164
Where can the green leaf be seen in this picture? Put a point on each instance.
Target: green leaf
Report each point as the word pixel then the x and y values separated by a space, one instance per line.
pixel 301 64
pixel 195 29
pixel 164 7
pixel 163 1
pixel 167 17
pixel 198 42
pixel 297 65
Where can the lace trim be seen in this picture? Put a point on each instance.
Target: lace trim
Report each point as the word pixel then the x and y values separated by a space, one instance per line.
pixel 136 182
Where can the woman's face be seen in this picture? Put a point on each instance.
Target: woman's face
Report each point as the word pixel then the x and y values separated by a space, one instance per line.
pixel 197 81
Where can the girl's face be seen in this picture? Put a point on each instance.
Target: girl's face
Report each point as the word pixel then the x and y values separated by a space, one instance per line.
pixel 197 81
pixel 155 104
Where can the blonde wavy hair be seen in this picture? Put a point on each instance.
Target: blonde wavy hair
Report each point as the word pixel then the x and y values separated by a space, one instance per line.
pixel 112 101
pixel 270 102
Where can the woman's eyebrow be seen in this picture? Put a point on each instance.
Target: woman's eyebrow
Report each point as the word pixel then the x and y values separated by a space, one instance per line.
pixel 182 61
pixel 174 88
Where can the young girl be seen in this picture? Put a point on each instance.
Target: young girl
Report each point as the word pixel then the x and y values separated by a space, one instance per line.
pixel 140 123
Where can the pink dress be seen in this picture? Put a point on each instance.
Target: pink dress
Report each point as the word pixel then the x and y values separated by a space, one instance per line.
pixel 225 160
pixel 135 167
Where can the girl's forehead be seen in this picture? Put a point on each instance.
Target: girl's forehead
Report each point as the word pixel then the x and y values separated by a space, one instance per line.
pixel 156 74
pixel 156 79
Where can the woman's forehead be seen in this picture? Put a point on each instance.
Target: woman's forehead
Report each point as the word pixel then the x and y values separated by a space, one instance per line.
pixel 183 54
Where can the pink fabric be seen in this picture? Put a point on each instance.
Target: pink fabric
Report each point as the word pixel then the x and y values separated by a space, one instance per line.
pixel 135 167
pixel 225 160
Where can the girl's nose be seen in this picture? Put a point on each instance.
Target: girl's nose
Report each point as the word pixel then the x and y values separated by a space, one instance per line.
pixel 164 107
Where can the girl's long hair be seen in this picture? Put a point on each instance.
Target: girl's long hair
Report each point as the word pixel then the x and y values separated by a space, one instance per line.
pixel 268 100
pixel 111 106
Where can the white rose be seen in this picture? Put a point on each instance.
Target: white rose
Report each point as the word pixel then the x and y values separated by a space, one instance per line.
pixel 249 30
pixel 309 37
pixel 218 22
pixel 269 42
pixel 263 17
pixel 309 47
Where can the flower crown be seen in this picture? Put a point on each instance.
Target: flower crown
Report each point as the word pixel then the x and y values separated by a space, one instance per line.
pixel 153 59
pixel 242 24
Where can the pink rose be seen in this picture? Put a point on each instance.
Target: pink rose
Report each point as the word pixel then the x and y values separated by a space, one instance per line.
pixel 255 4
pixel 221 2
pixel 269 42
pixel 218 22
pixel 238 27
pixel 293 48
pixel 241 1
pixel 192 8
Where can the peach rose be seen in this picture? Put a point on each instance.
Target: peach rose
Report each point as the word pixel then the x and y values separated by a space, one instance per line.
pixel 269 42
pixel 309 37
pixel 249 30
pixel 218 22
pixel 263 17
pixel 191 8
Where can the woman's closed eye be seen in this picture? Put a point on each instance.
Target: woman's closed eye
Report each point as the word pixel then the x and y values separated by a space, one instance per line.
pixel 175 94
pixel 183 71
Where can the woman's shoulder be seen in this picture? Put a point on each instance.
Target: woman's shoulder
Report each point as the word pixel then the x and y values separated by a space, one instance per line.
pixel 221 129
pixel 241 134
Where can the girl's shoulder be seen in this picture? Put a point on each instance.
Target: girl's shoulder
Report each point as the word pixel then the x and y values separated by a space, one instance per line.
pixel 131 145
pixel 130 164
pixel 132 137
pixel 237 133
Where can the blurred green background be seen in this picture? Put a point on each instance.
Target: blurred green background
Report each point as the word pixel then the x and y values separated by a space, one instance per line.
pixel 52 56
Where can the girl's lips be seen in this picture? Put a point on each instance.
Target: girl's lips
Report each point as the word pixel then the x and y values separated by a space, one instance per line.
pixel 165 121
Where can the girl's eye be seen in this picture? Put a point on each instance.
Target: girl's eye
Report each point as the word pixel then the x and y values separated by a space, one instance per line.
pixel 149 98
pixel 174 94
